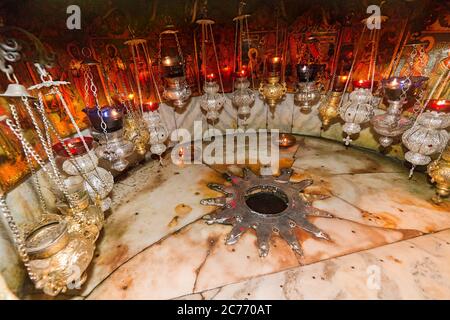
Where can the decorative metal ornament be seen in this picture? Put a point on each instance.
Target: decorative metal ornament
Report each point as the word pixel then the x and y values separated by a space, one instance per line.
pixel 158 132
pixel 272 91
pixel 132 132
pixel 58 257
pixel 177 91
pixel 427 137
pixel 243 97
pixel 98 182
pixel 266 204
pixel 114 148
pixel 439 171
pixel 356 111
pixel 329 109
pixel 212 101
pixel 391 124
pixel 83 218
pixel 307 95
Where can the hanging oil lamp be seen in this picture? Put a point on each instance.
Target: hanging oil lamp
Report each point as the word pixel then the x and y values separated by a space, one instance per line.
pixel 176 89
pixel 400 91
pixel 107 125
pixel 329 109
pixel 307 94
pixel 439 171
pixel 426 137
pixel 392 124
pixel 83 217
pixel 135 129
pixel 74 160
pixel 158 132
pixel 357 110
pixel 212 101
pixel 243 97
pixel 55 254
pixel 272 90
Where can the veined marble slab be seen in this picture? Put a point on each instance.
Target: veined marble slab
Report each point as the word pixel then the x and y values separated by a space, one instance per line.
pixel 153 202
pixel 197 259
pixel 155 245
pixel 413 269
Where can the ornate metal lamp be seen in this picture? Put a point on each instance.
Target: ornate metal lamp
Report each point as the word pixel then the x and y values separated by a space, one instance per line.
pixel 272 90
pixel 176 89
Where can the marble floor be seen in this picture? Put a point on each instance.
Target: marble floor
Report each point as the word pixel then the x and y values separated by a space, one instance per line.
pixel 387 240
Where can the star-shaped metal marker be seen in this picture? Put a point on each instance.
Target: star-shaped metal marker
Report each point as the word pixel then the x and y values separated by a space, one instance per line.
pixel 267 204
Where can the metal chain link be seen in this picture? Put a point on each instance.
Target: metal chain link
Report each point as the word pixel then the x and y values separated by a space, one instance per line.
pixel 36 183
pixel 77 129
pixel 50 128
pixel 26 145
pixel 90 85
pixel 17 237
pixel 48 150
pixel 407 83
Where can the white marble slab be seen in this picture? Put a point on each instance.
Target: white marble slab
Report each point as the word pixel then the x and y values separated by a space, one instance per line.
pixel 411 269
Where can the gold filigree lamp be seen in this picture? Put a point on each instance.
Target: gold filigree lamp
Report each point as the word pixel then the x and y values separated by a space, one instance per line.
pixel 439 171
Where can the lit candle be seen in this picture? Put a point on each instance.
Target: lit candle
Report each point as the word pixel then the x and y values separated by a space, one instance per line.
pixel 364 84
pixel 241 74
pixel 150 106
pixel 441 105
pixel 286 140
pixel 339 83
pixel 274 66
pixel 307 72
pixel 393 88
pixel 172 67
pixel 210 77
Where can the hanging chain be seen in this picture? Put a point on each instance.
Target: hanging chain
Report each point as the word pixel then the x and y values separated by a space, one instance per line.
pixel 180 52
pixel 17 237
pixel 50 128
pixel 407 83
pixel 26 146
pixel 421 89
pixel 45 143
pixel 90 85
pixel 34 176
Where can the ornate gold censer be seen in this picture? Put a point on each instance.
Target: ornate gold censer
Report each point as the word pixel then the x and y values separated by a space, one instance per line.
pixel 330 108
pixel 439 171
pixel 273 91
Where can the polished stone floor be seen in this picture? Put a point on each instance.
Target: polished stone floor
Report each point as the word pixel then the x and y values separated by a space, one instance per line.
pixel 387 239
